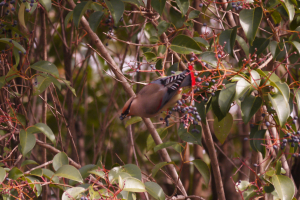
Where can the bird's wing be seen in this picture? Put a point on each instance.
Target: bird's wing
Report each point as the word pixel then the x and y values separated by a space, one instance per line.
pixel 171 85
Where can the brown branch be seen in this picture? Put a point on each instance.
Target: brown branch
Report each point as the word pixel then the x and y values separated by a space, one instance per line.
pixel 214 161
pixel 54 150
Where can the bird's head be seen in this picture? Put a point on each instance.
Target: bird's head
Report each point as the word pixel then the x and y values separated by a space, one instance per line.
pixel 126 109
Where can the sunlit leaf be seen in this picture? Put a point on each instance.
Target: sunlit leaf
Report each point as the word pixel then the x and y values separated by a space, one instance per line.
pixel 59 160
pixel 69 172
pixel 155 190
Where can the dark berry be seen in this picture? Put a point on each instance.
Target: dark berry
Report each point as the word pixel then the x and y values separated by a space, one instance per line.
pixel 275 146
pixel 245 139
pixel 255 165
pixel 198 79
pixel 294 121
pixel 263 115
pixel 27 10
pixel 204 24
pixel 207 83
pixel 267 123
pixel 12 9
pixel 201 5
pixel 31 4
pixel 219 56
pixel 192 59
pixel 106 44
pixel 161 119
pixel 295 117
pixel 213 94
pixel 294 155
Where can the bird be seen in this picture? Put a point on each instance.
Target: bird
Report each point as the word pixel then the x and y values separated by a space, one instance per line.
pixel 157 96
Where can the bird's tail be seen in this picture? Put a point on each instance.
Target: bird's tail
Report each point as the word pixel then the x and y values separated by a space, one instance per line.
pixel 189 79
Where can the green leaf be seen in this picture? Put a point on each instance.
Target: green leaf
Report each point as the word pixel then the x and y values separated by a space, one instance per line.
pixel 185 45
pixel 176 18
pixel 162 132
pixel 85 172
pixel 68 18
pixel 28 162
pixel 296 45
pixel 161 49
pixel 228 37
pixel 243 44
pixel 174 68
pixel 155 190
pixel 69 172
pixel 269 188
pixel 43 82
pixel 249 107
pixel 21 15
pixel 15 173
pixel 116 8
pixel 16 44
pixel 17 57
pixel 284 187
pixel 158 5
pixel 164 145
pixel 201 42
pixel 158 166
pixel 46 4
pixel 27 141
pixel 133 170
pixel 150 56
pixel 259 141
pixel 162 27
pixel 276 17
pixel 226 97
pixel 97 7
pixel 194 135
pixel 79 10
pixel 2 174
pixel 72 193
pixel 222 128
pixel 131 184
pixel 183 6
pixel 34 183
pixel 297 95
pixel 45 66
pixel 202 109
pixel 209 58
pixel 37 172
pixel 203 169
pixel 242 86
pixel 194 14
pixel 215 106
pixel 95 20
pixel 135 2
pixel 50 175
pixel 250 20
pixel 68 84
pixel 289 8
pixel 59 160
pixel 260 44
pixel 42 128
pixel 133 120
pixel 2 81
pixel 280 101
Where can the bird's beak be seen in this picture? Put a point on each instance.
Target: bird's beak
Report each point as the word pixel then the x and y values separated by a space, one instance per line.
pixel 122 116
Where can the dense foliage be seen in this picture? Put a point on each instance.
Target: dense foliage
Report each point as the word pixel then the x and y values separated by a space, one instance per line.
pixel 67 68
